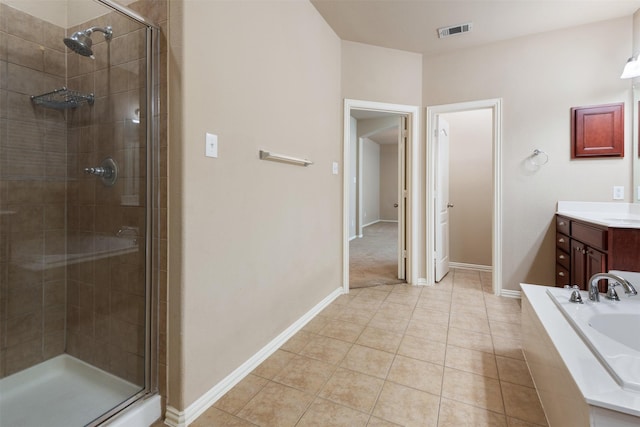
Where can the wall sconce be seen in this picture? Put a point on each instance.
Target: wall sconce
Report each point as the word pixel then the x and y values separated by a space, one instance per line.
pixel 631 68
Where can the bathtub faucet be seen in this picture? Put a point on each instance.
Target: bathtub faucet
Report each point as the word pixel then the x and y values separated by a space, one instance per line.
pixel 594 295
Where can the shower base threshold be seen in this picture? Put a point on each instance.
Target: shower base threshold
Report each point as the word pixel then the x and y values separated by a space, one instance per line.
pixel 63 391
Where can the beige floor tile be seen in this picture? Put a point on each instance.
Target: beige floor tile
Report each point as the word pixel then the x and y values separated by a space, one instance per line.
pixel 507 330
pixel 379 422
pixel 476 390
pixel 422 329
pixel 341 330
pixel 361 316
pixel 522 403
pixel 215 417
pixel 514 371
pixel 273 364
pixel 326 349
pixel 305 374
pixel 375 292
pixel 435 302
pixel 388 323
pixel 344 299
pixel 353 389
pixel 380 339
pixel 365 302
pixel 276 405
pixel 470 339
pixel 407 406
pixel 368 361
pixel 316 324
pixel 407 289
pixel 418 374
pixel 323 413
pixel 514 422
pixel 474 361
pixel 395 310
pixel 422 349
pixel 470 322
pixel 435 317
pixel 403 298
pixel 507 347
pixel 297 342
pixel 243 392
pixel 332 311
pixel 458 414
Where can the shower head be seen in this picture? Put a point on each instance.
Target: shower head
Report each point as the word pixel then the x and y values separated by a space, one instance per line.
pixel 80 42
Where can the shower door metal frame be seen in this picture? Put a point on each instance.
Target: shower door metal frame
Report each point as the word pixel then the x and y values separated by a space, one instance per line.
pixel 152 203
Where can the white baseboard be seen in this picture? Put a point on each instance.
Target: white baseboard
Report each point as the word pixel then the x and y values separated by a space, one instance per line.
pixel 476 267
pixel 423 282
pixel 177 418
pixel 508 293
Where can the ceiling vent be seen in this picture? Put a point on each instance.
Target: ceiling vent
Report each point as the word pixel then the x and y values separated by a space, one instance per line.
pixel 455 29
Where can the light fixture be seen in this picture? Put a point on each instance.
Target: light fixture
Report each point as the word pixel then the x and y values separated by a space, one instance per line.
pixel 631 68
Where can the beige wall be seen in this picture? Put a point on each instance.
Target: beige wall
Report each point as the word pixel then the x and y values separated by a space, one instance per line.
pixel 540 78
pixel 388 181
pixel 370 182
pixel 470 186
pixel 253 244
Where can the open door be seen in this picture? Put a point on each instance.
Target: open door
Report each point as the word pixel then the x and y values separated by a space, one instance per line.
pixel 402 198
pixel 442 204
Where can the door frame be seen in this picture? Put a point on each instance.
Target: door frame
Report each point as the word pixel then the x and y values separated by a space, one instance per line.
pixel 496 245
pixel 413 115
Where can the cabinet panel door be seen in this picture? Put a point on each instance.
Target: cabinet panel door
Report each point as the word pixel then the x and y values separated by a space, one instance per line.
pixel 578 264
pixel 596 263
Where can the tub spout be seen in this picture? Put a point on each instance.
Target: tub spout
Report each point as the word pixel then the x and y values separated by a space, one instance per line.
pixel 594 295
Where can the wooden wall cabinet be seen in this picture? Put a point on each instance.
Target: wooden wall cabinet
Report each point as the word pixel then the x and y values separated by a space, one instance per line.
pixel 584 249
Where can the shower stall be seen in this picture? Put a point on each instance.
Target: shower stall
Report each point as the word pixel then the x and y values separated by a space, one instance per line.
pixel 78 168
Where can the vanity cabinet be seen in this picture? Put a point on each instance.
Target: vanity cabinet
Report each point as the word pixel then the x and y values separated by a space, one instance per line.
pixel 584 249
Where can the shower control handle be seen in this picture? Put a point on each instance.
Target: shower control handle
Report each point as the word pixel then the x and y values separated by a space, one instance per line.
pixel 107 171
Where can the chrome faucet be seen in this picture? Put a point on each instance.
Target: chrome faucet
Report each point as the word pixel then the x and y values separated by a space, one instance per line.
pixel 594 294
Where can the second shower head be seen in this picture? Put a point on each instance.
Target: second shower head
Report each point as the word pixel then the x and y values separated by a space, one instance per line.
pixel 80 42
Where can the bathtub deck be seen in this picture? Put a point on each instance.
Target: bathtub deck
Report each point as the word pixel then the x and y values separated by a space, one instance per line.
pixel 62 391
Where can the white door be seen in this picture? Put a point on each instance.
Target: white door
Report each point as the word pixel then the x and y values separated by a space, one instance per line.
pixel 402 198
pixel 442 200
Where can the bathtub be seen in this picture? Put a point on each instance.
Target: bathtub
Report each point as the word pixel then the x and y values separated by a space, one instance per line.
pixel 580 358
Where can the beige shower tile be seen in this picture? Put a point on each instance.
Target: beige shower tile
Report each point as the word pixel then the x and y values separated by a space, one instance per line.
pixel 352 389
pixel 474 361
pixel 407 406
pixel 368 361
pixel 240 394
pixel 324 413
pixel 379 339
pixel 476 390
pixel 522 403
pixel 454 413
pixel 341 330
pixel 423 349
pixel 305 374
pixel 273 364
pixel 276 405
pixel 326 349
pixel 514 371
pixel 417 374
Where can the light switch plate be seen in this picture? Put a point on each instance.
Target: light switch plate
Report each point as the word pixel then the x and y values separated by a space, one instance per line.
pixel 211 145
pixel 618 192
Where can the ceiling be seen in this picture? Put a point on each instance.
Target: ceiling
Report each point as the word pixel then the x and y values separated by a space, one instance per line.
pixel 411 25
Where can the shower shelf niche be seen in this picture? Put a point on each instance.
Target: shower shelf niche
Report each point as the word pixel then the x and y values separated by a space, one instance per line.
pixel 63 98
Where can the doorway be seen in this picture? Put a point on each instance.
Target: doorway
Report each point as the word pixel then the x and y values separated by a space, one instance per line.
pixel 439 209
pixel 387 123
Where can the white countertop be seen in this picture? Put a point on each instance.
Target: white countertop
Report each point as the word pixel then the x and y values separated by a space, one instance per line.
pixel 597 386
pixel 608 214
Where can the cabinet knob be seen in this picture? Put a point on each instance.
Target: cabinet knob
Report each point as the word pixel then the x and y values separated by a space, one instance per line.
pixel 561 256
pixel 561 274
pixel 561 223
pixel 561 240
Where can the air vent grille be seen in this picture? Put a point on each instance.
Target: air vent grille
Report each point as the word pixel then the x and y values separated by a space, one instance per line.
pixel 454 29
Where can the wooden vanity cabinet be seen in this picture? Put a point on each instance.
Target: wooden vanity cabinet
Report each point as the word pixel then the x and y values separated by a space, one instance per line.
pixel 584 249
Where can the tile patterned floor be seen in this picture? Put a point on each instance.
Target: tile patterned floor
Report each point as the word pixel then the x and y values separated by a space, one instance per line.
pixel 395 355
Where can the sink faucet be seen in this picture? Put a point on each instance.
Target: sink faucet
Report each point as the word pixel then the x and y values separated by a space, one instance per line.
pixel 594 295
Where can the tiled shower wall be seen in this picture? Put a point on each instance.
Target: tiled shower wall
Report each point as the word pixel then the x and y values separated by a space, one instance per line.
pixel 32 192
pixel 100 304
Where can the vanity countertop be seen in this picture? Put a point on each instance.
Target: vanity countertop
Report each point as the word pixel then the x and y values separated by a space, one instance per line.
pixel 608 214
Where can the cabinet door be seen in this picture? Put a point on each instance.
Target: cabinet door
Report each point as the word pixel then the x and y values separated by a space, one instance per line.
pixel 596 262
pixel 578 264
